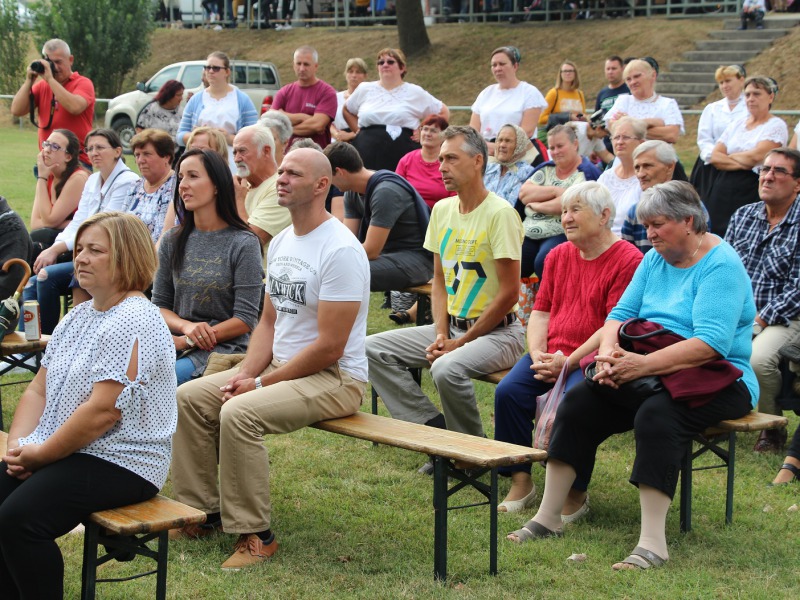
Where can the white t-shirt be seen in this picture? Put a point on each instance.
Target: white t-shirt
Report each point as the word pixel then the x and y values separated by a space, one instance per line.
pixel 339 121
pixel 662 108
pixel 89 346
pixel 586 146
pixel 327 264
pixel 220 114
pixel 404 106
pixel 497 107
pixel 715 118
pixel 737 138
pixel 624 192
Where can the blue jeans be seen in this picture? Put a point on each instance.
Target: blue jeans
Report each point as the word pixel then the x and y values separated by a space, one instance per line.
pixel 184 367
pixel 535 251
pixel 48 286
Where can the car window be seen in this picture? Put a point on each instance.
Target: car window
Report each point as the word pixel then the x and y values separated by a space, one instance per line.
pixel 192 76
pixel 267 76
pixel 253 74
pixel 239 75
pixel 162 77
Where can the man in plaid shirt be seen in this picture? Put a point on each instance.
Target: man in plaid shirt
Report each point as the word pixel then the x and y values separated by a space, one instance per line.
pixel 765 234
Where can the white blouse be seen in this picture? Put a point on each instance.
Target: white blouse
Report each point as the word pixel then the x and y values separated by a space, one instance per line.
pixel 662 108
pixel 737 138
pixel 89 346
pixel 715 118
pixel 624 192
pixel 497 107
pixel 404 106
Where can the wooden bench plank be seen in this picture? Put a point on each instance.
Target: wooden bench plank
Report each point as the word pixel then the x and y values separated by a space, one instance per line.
pixel 430 440
pixel 754 421
pixel 15 343
pixel 495 377
pixel 154 515
pixel 424 289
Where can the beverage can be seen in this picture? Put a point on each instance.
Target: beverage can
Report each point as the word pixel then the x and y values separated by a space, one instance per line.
pixel 33 320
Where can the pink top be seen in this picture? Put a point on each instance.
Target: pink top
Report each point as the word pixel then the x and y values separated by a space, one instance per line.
pixel 424 176
pixel 584 292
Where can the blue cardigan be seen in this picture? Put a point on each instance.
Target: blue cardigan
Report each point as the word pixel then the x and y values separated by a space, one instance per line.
pixel 247 114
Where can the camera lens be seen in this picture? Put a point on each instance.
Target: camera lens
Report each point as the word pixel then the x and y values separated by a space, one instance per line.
pixel 37 67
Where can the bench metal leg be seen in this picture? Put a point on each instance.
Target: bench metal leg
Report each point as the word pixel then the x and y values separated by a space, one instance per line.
pixel 89 570
pixel 440 468
pixel 731 472
pixel 161 568
pixel 493 525
pixel 728 461
pixel 686 490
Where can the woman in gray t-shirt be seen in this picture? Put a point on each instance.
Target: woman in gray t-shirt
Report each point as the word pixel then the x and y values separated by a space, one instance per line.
pixel 209 280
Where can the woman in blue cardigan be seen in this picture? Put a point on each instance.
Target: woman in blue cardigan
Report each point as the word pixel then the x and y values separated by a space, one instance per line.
pixel 221 105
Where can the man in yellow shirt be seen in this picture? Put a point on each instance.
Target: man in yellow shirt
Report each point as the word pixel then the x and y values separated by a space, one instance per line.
pixel 476 239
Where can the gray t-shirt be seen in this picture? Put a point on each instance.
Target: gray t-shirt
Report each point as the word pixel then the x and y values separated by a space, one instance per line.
pixel 392 208
pixel 221 278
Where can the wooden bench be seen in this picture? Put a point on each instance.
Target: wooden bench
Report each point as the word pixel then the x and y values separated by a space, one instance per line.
pixel 446 447
pixel 15 352
pixel 125 532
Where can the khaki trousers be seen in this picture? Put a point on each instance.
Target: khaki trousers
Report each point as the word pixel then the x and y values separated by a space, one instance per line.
pixel 230 434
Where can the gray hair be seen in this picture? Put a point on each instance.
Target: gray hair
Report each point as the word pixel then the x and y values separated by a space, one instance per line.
pixel 55 45
pixel 304 143
pixel 262 136
pixel 473 145
pixel 673 200
pixel 638 126
pixel 307 50
pixel 594 195
pixel 279 122
pixel 665 153
pixel 568 130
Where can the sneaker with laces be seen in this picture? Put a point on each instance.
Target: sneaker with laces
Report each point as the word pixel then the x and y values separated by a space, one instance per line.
pixel 195 531
pixel 250 550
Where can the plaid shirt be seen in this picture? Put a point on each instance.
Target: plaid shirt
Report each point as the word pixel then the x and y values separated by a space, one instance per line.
pixel 634 232
pixel 771 258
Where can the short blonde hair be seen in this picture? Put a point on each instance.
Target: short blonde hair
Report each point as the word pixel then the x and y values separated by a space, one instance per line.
pixel 638 126
pixel 638 64
pixel 398 55
pixel 729 72
pixel 355 63
pixel 216 140
pixel 133 255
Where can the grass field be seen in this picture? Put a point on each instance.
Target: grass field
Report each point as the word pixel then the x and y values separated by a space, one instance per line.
pixel 355 521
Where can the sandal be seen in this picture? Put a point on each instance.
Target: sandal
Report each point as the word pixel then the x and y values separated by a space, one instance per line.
pixel 793 470
pixel 515 506
pixel 533 531
pixel 400 317
pixel 643 559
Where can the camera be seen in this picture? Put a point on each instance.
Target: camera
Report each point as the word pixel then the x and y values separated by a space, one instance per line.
pixel 596 119
pixel 38 67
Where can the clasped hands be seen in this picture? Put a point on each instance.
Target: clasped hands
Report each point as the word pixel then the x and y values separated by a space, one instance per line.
pixel 619 366
pixel 441 346
pixel 22 461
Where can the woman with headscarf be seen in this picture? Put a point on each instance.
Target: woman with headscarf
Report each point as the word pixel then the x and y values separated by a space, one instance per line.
pixel 514 160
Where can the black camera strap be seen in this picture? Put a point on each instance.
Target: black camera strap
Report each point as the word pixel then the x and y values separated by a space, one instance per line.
pixel 32 107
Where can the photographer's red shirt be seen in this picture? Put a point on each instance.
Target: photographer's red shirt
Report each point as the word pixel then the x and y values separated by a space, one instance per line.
pixel 80 124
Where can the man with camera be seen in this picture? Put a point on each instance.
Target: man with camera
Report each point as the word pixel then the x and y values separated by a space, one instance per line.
pixel 63 98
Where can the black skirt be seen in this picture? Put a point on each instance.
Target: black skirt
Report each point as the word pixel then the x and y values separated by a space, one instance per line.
pixel 702 178
pixel 731 191
pixel 379 151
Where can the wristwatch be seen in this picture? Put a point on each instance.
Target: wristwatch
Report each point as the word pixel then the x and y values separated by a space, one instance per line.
pixel 757 328
pixel 258 382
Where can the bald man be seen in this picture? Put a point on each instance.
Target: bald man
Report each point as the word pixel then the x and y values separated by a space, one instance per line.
pixel 306 363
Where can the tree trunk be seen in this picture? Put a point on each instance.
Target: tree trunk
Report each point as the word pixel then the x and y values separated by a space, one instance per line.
pixel 411 27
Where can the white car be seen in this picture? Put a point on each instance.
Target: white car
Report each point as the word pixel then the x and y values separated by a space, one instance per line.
pixel 259 80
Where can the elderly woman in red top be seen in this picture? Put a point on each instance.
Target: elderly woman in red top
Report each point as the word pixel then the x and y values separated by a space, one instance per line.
pixel 583 280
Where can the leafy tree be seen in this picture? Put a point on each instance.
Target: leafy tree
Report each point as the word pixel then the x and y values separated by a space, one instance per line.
pixel 13 47
pixel 107 37
pixel 411 30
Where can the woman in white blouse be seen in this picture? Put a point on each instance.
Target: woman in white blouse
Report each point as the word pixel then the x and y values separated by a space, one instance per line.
pixel 507 101
pixel 386 113
pixel 715 118
pixel 106 189
pixel 93 430
pixel 741 150
pixel 355 72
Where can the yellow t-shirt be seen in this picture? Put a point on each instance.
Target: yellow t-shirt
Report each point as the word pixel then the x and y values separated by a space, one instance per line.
pixel 562 101
pixel 468 245
pixel 263 210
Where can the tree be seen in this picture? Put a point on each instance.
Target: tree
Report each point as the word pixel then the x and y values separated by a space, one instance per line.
pixel 13 47
pixel 108 38
pixel 411 27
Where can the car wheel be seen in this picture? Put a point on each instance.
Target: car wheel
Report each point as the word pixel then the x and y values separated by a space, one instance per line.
pixel 126 131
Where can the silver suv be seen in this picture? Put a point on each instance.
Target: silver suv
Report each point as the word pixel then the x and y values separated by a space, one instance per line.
pixel 259 80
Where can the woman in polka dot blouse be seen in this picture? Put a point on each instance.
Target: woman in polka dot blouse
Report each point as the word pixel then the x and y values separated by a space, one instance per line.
pixel 94 428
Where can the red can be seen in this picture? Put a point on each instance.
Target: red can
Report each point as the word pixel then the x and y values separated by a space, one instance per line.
pixel 33 320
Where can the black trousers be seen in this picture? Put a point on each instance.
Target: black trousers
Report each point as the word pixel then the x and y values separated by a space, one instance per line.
pixel 379 151
pixel 50 503
pixel 663 429
pixel 794 447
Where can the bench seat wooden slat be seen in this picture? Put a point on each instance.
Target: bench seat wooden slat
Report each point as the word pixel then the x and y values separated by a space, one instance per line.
pixel 430 440
pixel 154 515
pixel 15 343
pixel 495 377
pixel 754 421
pixel 424 289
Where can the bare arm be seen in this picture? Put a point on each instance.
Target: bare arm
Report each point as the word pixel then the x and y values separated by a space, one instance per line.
pixel 314 125
pixel 20 104
pixel 29 410
pixel 530 119
pixel 445 112
pixel 352 120
pixel 547 198
pixel 537 333
pixel 263 236
pixel 756 156
pixel 47 214
pixel 375 241
pixel 665 133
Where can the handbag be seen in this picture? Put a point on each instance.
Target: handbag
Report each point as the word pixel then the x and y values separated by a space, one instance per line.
pixel 546 408
pixel 630 394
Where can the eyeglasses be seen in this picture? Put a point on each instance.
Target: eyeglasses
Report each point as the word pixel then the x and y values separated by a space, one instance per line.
pixel 215 68
pixel 51 146
pixel 622 138
pixel 90 149
pixel 567 70
pixel 386 61
pixel 427 129
pixel 776 171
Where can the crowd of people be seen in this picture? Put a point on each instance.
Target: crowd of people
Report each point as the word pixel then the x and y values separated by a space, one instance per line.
pixel 329 196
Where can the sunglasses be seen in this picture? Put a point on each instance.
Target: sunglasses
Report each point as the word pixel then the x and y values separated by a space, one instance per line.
pixel 387 61
pixel 214 68
pixel 51 146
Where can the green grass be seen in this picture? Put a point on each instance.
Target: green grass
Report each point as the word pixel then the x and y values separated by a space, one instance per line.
pixel 355 521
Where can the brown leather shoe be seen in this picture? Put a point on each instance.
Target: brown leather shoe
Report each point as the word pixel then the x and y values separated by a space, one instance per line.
pixel 195 531
pixel 771 441
pixel 250 550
